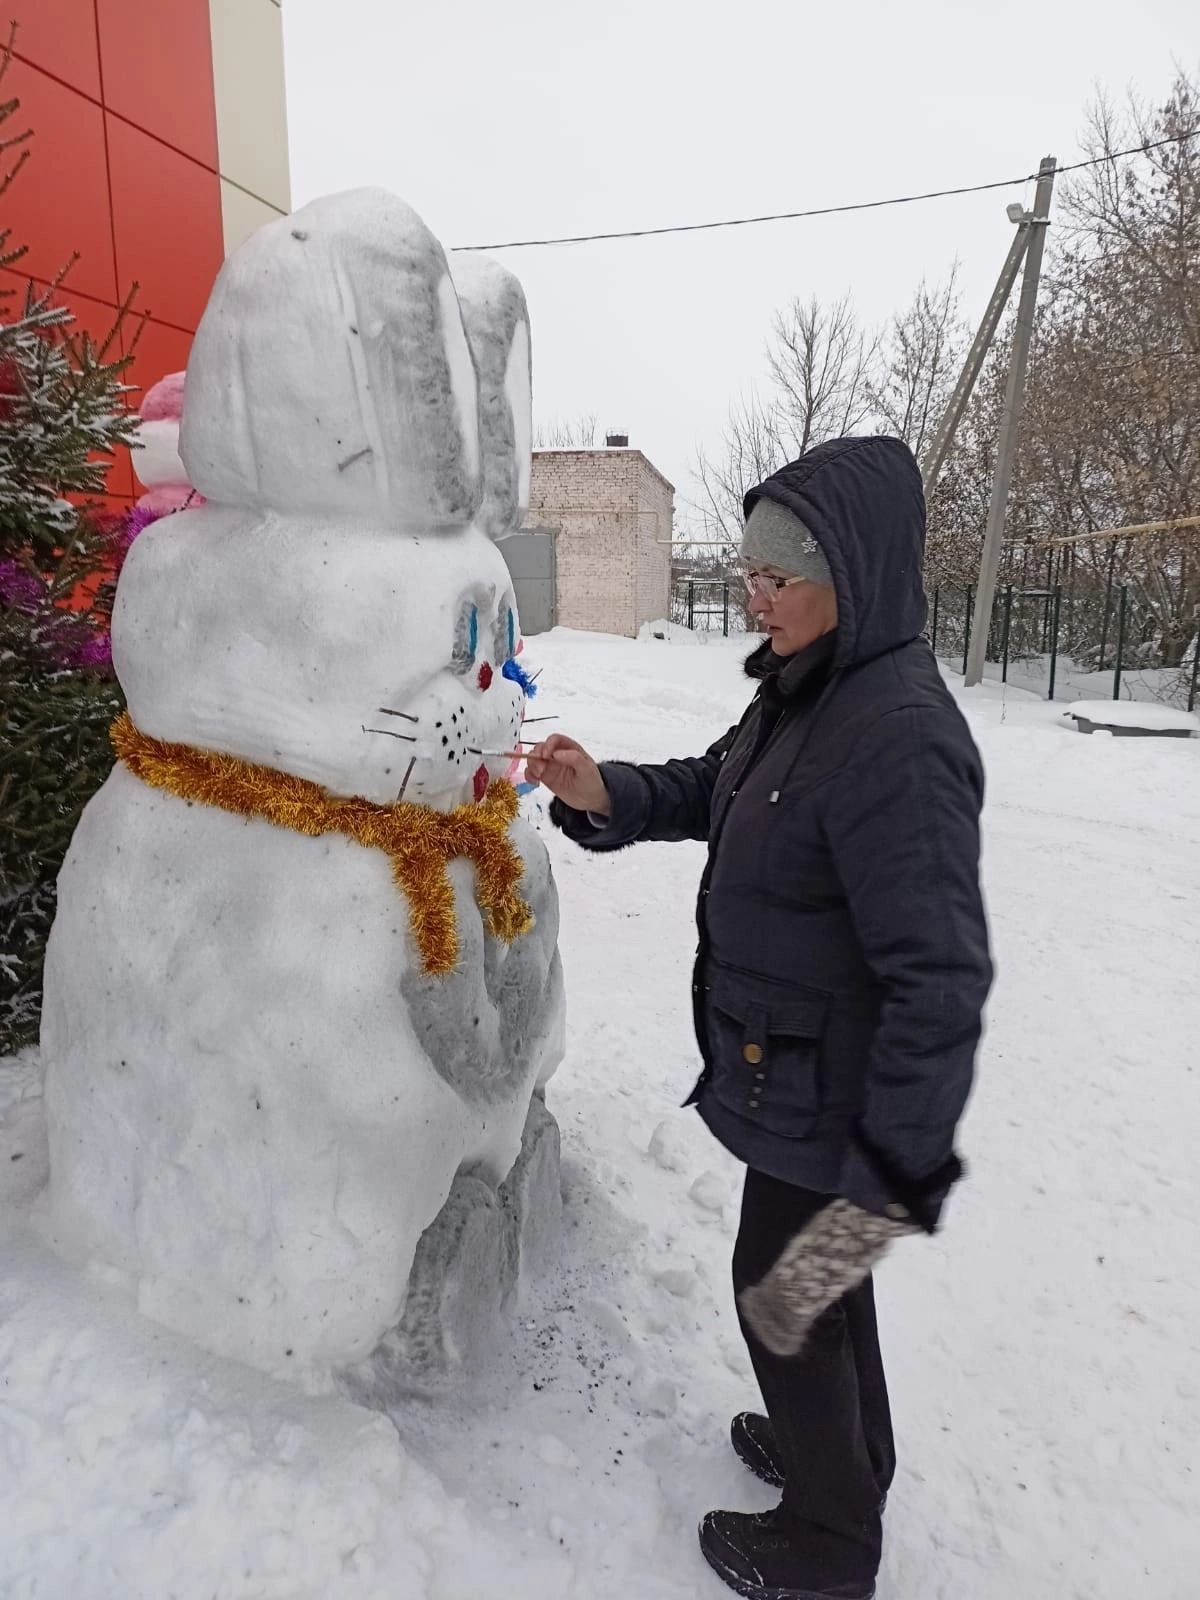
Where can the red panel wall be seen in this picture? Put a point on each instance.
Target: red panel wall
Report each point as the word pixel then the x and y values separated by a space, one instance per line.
pixel 122 169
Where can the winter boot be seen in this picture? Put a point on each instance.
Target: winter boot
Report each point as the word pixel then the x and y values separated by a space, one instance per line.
pixel 765 1558
pixel 753 1440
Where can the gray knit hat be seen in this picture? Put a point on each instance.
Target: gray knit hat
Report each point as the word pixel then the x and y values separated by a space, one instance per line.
pixel 774 537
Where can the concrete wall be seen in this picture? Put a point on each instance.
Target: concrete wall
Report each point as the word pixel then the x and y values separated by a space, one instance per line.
pixel 251 109
pixel 653 565
pixel 613 511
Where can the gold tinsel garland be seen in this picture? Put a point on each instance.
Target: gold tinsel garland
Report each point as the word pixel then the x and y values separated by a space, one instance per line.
pixel 419 841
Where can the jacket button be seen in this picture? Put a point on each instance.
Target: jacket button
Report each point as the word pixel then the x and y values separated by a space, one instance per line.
pixel 760 1077
pixel 895 1212
pixel 753 1053
pixel 753 1104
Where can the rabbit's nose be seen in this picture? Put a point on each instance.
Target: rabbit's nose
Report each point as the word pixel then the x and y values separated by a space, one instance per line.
pixel 485 676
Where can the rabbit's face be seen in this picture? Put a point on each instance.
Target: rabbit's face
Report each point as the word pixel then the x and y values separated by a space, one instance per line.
pixel 369 662
pixel 455 731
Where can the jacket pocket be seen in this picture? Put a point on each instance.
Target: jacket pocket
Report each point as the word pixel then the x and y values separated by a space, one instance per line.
pixel 765 1043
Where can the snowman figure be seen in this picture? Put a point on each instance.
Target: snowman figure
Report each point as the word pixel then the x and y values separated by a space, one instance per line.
pixel 303 991
pixel 157 462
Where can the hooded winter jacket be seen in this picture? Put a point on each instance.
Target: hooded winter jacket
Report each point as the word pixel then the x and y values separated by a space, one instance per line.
pixel 843 964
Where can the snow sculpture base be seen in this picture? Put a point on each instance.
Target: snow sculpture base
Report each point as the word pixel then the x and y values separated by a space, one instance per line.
pixel 256 1105
pixel 472 1268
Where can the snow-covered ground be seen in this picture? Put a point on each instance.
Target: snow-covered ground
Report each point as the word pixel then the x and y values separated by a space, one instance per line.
pixel 1044 1351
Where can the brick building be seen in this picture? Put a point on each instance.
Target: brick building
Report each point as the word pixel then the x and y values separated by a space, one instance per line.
pixel 611 512
pixel 159 143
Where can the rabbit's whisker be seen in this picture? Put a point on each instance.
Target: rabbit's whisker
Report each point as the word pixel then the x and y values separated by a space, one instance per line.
pixel 410 737
pixel 407 776
pixel 387 711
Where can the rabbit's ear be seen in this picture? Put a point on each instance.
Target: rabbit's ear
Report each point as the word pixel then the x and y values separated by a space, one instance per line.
pixel 497 323
pixel 331 372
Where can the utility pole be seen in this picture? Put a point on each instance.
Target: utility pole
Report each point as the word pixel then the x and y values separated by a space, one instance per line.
pixel 1010 425
pixel 943 438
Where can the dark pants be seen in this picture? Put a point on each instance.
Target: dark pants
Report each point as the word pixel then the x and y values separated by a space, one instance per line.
pixel 829 1404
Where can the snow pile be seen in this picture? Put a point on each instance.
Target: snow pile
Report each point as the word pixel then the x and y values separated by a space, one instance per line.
pixel 257 1101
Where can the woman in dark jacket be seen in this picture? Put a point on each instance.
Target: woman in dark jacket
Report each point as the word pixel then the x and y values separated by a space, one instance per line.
pixel 840 979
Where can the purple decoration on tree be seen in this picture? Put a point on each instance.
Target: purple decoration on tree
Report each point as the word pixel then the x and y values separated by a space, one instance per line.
pixel 92 653
pixel 68 642
pixel 137 519
pixel 20 589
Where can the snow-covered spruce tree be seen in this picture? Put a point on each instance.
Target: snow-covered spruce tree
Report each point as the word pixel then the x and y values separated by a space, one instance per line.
pixel 61 418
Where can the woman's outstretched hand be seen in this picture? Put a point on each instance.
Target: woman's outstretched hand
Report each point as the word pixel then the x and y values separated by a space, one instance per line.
pixel 569 772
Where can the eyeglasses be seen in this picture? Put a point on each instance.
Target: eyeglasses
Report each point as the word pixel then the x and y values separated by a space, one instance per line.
pixel 765 583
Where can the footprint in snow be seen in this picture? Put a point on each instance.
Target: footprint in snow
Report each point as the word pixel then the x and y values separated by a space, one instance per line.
pixel 668 1147
pixel 555 1453
pixel 711 1193
pixel 658 1396
pixel 734 1357
pixel 679 1281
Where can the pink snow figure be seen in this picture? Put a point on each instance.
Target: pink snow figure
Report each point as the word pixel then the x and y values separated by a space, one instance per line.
pixel 158 463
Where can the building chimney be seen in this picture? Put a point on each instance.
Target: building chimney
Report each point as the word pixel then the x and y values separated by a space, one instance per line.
pixel 616 441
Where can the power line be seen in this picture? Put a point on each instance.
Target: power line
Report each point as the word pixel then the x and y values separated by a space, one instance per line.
pixel 830 211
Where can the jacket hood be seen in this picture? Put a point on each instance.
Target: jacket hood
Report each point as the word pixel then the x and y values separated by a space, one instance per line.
pixel 863 502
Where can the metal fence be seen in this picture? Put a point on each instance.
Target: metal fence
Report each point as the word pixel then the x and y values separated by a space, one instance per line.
pixel 1042 637
pixel 1066 640
pixel 709 605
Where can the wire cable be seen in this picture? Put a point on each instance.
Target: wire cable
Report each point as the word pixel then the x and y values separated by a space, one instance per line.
pixel 831 211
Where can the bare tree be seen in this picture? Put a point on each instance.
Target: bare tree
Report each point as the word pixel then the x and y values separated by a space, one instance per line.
pixel 1111 430
pixel 751 450
pixel 1117 384
pixel 920 357
pixel 821 362
pixel 562 434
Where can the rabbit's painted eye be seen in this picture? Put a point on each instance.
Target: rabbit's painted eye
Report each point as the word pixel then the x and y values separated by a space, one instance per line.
pixel 466 638
pixel 506 634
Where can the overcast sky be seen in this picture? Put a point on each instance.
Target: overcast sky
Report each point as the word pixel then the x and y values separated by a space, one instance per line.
pixel 538 117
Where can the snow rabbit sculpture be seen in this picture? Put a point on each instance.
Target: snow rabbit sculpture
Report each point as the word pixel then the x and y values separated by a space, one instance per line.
pixel 285 1016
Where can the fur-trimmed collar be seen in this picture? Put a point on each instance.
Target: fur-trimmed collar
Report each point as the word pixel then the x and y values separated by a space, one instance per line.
pixel 791 673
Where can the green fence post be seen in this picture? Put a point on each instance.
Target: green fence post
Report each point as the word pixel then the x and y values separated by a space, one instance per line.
pixel 1054 639
pixel 1121 616
pixel 1007 632
pixel 933 641
pixel 1195 674
pixel 725 609
pixel 967 630
pixel 691 605
pixel 1108 589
